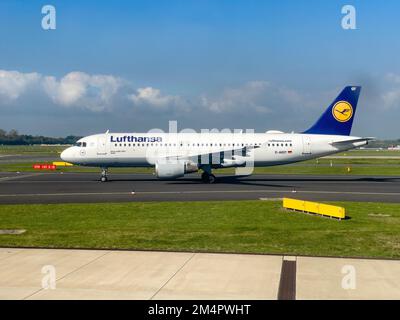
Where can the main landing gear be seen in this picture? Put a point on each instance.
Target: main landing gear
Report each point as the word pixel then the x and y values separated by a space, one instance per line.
pixel 207 177
pixel 104 175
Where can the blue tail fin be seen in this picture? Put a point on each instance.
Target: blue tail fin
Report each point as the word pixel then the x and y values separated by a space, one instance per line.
pixel 338 118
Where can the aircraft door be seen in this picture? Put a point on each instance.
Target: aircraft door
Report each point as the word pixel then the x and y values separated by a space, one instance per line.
pixel 102 145
pixel 306 145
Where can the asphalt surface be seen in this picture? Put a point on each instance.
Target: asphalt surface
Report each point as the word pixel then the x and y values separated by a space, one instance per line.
pixel 86 187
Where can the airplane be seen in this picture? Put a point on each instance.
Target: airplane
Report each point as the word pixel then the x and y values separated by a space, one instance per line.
pixel 175 154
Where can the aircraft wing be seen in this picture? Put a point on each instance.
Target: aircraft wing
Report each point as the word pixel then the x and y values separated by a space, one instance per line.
pixel 222 154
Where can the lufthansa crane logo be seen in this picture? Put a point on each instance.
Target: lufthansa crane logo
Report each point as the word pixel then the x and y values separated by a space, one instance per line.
pixel 342 111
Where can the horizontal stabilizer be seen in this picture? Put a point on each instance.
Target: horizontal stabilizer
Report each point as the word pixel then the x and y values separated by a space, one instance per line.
pixel 343 142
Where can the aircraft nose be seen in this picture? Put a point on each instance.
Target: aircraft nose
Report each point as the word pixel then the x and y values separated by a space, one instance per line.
pixel 67 155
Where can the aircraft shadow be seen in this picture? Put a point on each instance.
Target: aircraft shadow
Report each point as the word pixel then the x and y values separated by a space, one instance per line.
pixel 267 181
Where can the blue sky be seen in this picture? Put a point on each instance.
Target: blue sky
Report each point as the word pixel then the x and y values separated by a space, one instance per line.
pixel 134 65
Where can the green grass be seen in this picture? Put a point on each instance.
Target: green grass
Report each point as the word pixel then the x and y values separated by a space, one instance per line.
pixel 232 226
pixel 323 170
pixel 31 149
pixel 378 153
pixel 28 167
pixel 359 166
pixel 306 168
pixel 51 150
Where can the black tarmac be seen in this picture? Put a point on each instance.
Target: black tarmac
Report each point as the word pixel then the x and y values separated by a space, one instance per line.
pixel 19 188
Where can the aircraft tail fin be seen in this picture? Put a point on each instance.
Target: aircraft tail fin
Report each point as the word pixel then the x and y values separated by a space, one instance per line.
pixel 338 118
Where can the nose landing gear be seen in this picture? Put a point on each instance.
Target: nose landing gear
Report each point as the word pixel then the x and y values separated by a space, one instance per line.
pixel 104 172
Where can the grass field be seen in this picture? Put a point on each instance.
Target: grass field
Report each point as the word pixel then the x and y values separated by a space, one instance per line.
pixel 358 166
pixel 338 168
pixel 238 226
pixel 52 150
pixel 34 149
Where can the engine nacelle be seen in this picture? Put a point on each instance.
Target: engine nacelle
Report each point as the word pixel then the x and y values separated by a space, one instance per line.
pixel 238 161
pixel 174 169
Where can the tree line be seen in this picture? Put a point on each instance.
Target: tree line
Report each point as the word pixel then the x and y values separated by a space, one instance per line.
pixel 12 137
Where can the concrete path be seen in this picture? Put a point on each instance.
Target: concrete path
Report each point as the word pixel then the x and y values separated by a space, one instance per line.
pixel 106 274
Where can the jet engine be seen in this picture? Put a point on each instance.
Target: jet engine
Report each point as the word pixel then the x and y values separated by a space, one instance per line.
pixel 174 169
pixel 237 161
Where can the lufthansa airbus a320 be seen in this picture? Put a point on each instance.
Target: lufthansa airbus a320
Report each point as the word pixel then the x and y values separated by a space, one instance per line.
pixel 175 154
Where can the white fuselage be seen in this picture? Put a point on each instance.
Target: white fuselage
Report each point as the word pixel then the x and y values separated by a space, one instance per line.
pixel 146 149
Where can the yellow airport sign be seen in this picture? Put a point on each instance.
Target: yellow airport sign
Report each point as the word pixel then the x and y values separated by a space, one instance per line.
pixel 62 164
pixel 315 207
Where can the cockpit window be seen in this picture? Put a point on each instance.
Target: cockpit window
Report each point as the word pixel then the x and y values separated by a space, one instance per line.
pixel 80 144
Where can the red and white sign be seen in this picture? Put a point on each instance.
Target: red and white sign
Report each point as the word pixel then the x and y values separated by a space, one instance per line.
pixel 40 166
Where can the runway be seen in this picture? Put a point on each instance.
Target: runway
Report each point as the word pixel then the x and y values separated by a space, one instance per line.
pixel 19 188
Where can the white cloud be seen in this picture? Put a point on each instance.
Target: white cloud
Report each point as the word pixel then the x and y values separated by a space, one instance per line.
pixel 81 89
pixel 391 97
pixel 234 99
pixel 100 92
pixel 257 96
pixel 13 83
pixel 152 97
